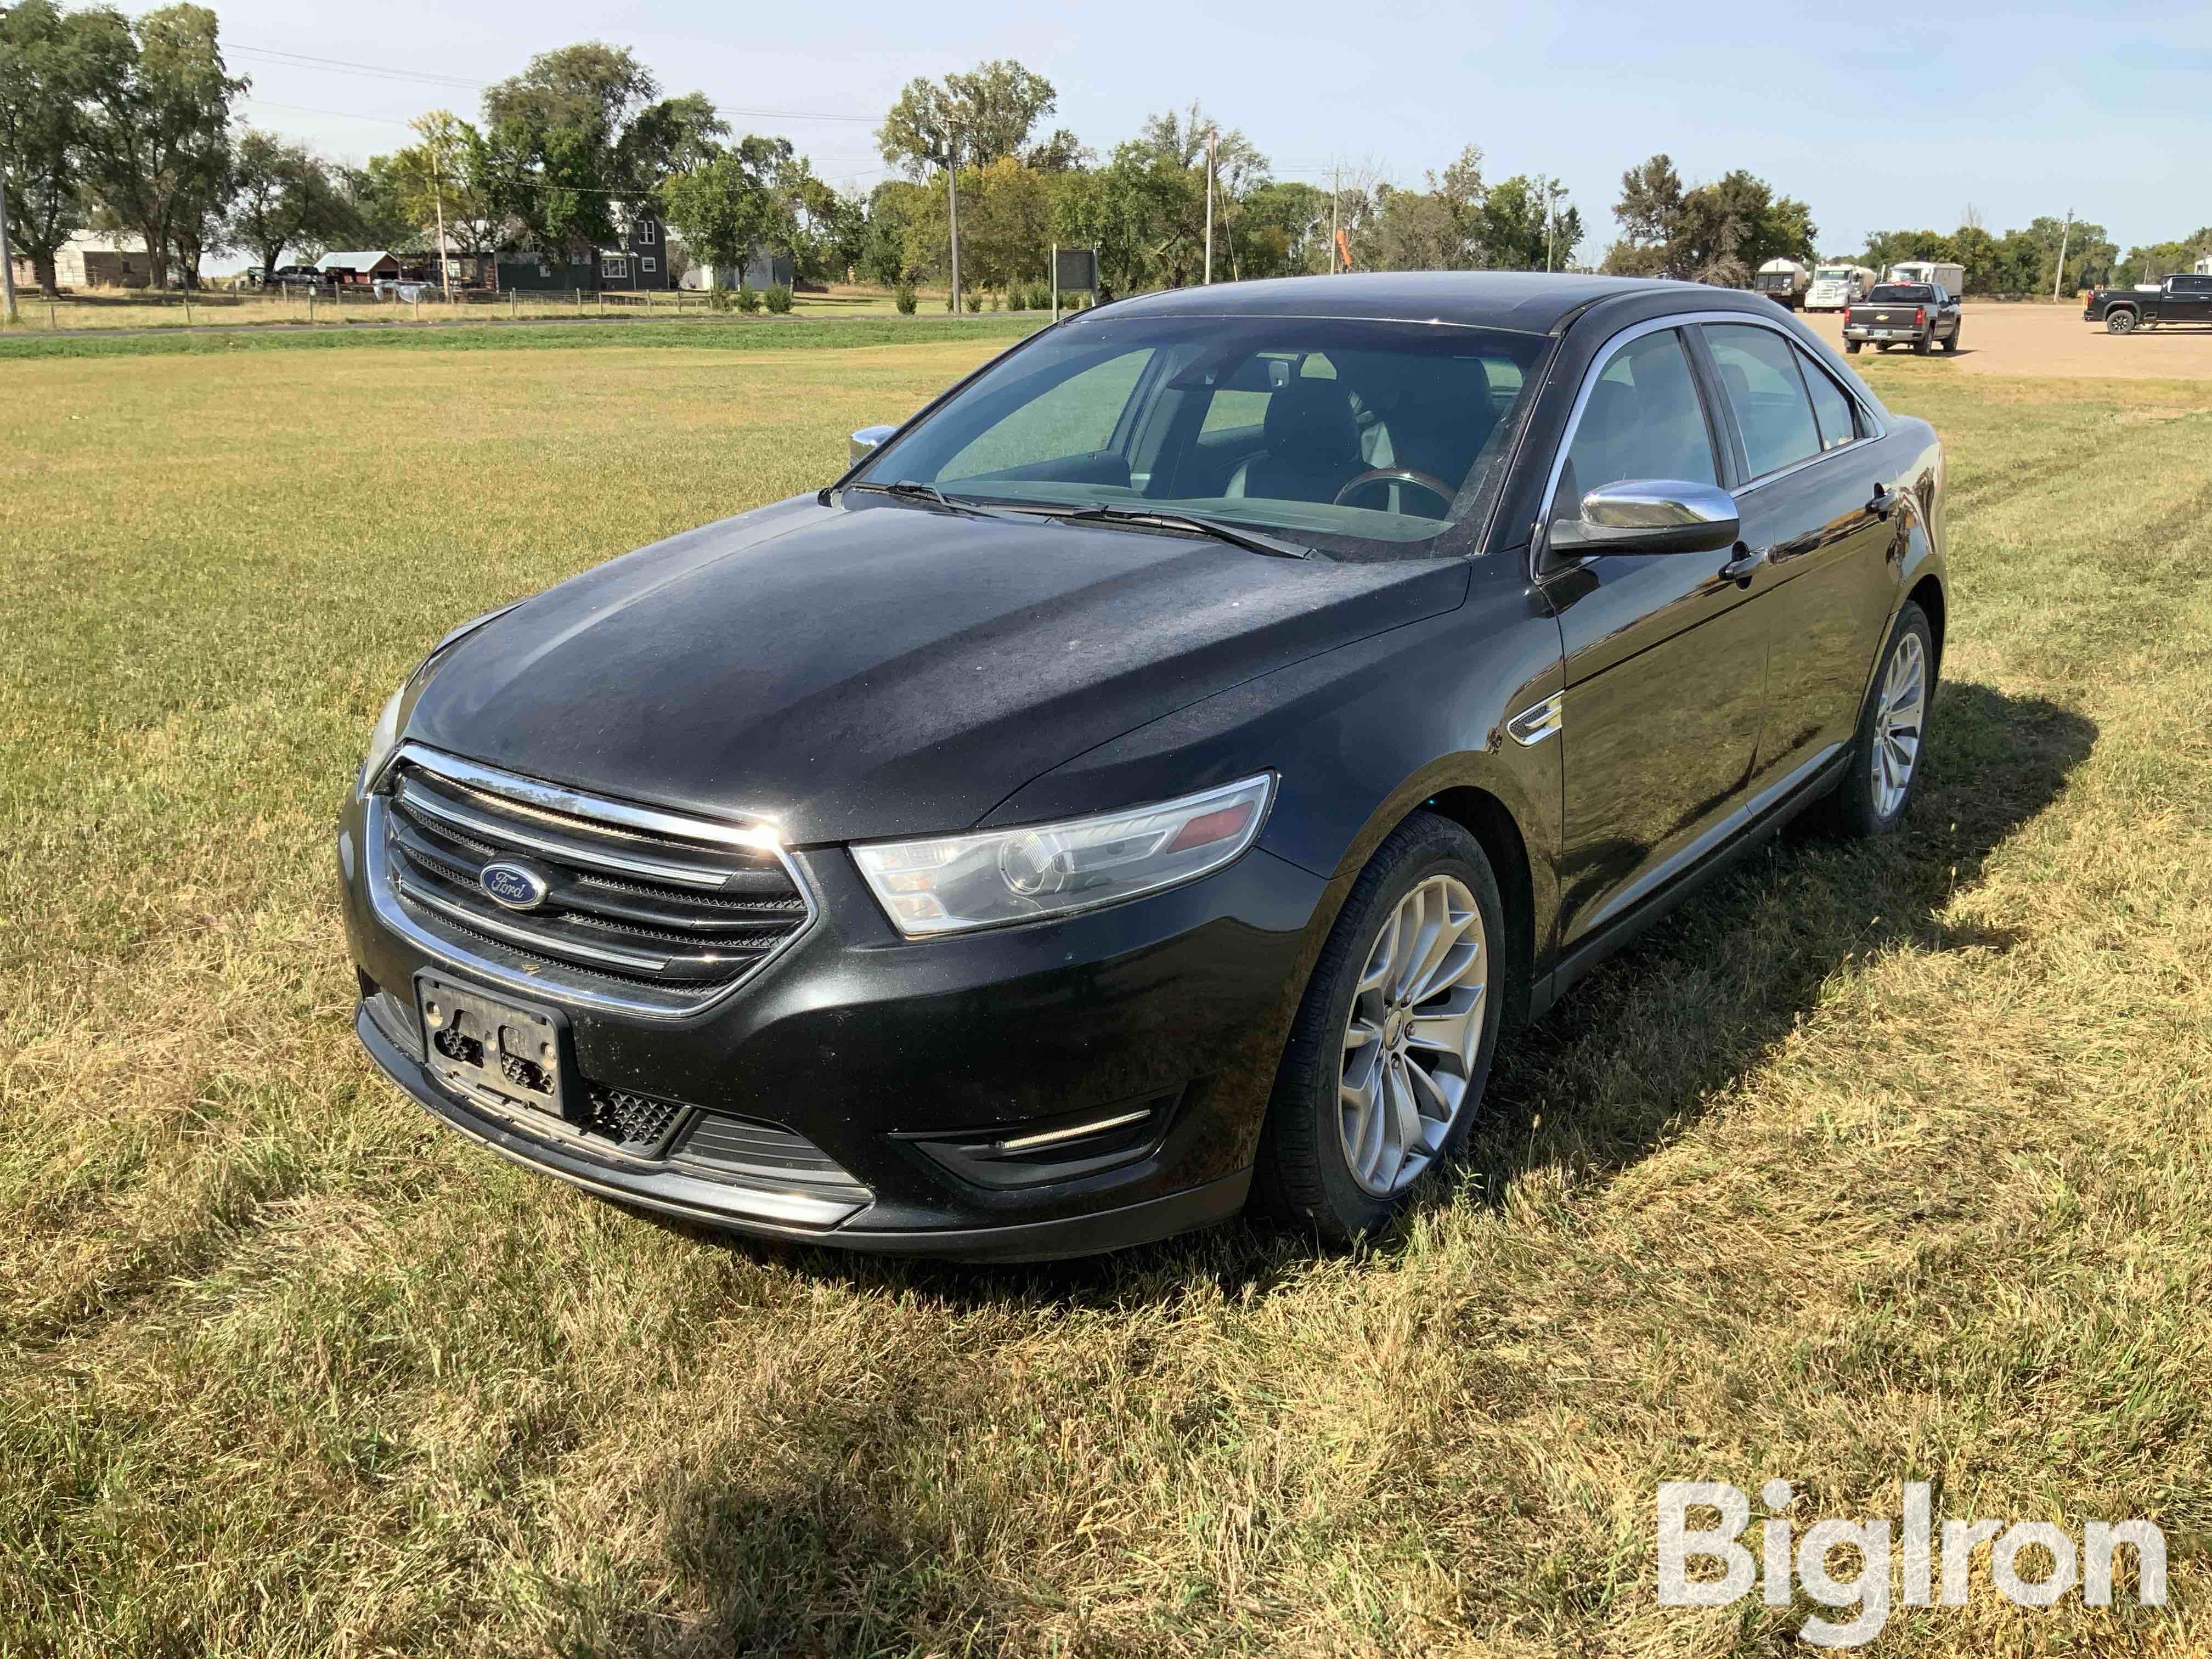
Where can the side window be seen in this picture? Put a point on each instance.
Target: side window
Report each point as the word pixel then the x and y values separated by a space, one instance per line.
pixel 1076 417
pixel 1838 415
pixel 1759 373
pixel 1644 419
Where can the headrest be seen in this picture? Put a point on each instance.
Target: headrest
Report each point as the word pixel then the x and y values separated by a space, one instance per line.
pixel 1311 418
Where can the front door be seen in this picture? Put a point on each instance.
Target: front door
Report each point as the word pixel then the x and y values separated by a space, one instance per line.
pixel 1665 656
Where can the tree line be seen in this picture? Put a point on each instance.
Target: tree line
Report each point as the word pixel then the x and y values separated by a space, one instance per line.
pixel 111 123
pixel 2050 254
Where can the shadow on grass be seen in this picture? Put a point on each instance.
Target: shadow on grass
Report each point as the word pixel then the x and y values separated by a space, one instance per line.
pixel 813 1552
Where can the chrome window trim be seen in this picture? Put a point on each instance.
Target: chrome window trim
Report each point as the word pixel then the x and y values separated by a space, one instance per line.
pixel 1634 332
pixel 384 891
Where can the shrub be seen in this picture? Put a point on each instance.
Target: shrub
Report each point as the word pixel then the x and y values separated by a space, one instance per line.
pixel 1018 298
pixel 779 299
pixel 748 300
pixel 994 299
pixel 718 299
pixel 902 296
pixel 975 299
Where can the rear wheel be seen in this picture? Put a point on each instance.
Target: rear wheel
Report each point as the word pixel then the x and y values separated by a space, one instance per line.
pixel 1392 1045
pixel 1851 346
pixel 1924 345
pixel 1885 766
pixel 1952 344
pixel 2120 321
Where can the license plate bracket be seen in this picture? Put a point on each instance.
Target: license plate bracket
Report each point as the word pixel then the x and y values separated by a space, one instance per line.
pixel 502 1052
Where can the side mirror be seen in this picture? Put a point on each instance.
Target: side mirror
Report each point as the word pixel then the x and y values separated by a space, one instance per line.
pixel 1650 515
pixel 865 442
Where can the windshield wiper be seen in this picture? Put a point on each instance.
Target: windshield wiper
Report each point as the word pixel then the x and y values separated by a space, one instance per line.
pixel 913 490
pixel 1151 517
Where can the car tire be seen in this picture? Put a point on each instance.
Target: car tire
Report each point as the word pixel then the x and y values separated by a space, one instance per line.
pixel 1851 346
pixel 1326 1155
pixel 1952 344
pixel 2122 321
pixel 1924 345
pixel 1869 800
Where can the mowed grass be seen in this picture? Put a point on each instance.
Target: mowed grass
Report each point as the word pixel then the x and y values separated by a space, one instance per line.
pixel 1875 1163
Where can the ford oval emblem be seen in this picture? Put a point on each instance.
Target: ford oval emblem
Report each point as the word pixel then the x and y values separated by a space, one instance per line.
pixel 515 885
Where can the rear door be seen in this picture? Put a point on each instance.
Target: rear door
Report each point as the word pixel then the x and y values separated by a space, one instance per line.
pixel 1665 656
pixel 1814 500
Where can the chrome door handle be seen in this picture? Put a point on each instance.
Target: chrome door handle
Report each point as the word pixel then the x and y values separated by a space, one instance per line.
pixel 1742 567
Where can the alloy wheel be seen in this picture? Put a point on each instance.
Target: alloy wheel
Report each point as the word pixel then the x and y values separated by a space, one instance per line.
pixel 1410 1041
pixel 1897 724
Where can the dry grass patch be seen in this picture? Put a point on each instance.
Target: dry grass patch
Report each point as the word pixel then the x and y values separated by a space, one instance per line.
pixel 1875 1163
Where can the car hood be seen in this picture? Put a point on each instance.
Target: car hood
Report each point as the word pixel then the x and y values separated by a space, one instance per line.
pixel 872 669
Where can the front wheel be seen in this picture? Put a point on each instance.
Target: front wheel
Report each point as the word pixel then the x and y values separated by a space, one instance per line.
pixel 1392 1045
pixel 1885 757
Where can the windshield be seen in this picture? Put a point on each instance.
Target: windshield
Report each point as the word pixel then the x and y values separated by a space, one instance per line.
pixel 1365 439
pixel 1902 293
pixel 1836 274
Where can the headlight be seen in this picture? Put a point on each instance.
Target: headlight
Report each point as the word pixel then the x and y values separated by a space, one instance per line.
pixel 951 884
pixel 381 741
pixel 386 738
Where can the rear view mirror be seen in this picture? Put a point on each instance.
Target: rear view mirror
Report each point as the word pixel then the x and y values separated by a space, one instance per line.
pixel 1650 515
pixel 865 443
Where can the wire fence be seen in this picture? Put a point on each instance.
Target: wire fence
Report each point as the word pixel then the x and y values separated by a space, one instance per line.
pixel 359 303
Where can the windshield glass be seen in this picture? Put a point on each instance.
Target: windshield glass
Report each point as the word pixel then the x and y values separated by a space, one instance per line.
pixel 1362 439
pixel 1836 274
pixel 1902 293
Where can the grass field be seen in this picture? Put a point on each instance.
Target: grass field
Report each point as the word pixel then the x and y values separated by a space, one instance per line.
pixel 1873 1164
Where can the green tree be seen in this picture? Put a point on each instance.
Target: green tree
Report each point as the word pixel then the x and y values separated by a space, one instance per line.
pixel 284 197
pixel 892 206
pixel 446 174
pixel 1721 232
pixel 732 202
pixel 1439 229
pixel 1514 227
pixel 981 115
pixel 47 74
pixel 157 123
pixel 580 134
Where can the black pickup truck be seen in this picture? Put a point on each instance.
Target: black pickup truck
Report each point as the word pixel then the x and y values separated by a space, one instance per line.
pixel 2177 299
pixel 1918 315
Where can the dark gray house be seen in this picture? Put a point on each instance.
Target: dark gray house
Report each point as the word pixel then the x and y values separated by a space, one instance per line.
pixel 641 262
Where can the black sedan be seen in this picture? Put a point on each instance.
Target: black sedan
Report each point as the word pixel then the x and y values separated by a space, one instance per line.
pixel 1159 775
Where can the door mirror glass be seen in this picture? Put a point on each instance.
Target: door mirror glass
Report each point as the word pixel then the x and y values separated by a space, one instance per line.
pixel 865 443
pixel 1650 515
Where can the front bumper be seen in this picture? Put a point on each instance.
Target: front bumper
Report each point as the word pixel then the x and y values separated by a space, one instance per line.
pixel 908 1063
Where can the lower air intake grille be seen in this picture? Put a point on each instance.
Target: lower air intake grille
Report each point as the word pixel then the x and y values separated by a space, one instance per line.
pixel 638 1123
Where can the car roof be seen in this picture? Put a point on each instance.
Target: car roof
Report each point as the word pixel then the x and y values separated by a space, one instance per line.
pixel 1532 301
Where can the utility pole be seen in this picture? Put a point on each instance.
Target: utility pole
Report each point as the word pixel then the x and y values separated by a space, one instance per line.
pixel 1549 220
pixel 2065 241
pixel 953 199
pixel 1209 205
pixel 1335 187
pixel 7 260
pixel 438 193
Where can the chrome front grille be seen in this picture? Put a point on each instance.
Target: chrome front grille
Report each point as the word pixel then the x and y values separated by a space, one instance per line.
pixel 619 897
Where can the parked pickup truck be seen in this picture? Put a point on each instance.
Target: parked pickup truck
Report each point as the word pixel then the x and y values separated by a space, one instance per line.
pixel 2178 298
pixel 1918 315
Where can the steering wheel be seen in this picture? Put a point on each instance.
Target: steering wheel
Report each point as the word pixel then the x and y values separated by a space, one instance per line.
pixel 1421 481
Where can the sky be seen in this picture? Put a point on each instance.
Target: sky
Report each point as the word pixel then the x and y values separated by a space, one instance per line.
pixel 2006 112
